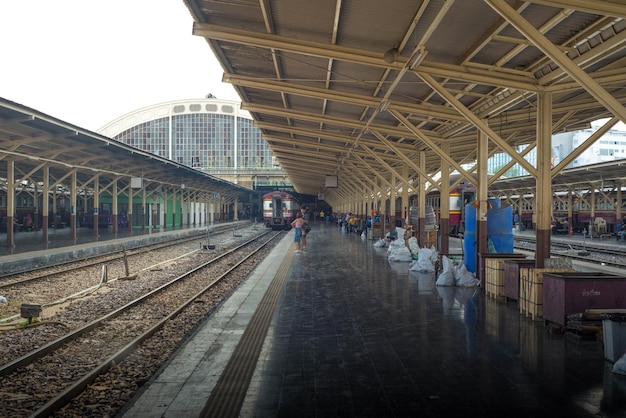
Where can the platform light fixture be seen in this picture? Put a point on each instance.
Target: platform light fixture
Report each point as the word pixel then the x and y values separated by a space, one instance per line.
pixel 417 58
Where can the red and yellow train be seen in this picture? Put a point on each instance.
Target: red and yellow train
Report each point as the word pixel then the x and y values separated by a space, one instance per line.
pixel 587 207
pixel 279 209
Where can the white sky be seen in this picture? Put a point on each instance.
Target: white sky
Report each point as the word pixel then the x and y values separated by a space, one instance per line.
pixel 88 62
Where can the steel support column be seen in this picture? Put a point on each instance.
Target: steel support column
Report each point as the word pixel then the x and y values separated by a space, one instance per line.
pixel 421 198
pixel 96 204
pixel 10 202
pixel 114 210
pixel 543 202
pixel 164 208
pixel 444 204
pixel 45 198
pixel 73 194
pixel 482 197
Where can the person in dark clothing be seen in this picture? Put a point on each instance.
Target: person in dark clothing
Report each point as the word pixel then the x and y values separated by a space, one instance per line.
pixel 621 232
pixel 304 211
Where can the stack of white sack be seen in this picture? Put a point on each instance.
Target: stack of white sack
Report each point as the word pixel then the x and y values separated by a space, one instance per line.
pixel 452 275
pixel 620 365
pixel 426 259
pixel 398 251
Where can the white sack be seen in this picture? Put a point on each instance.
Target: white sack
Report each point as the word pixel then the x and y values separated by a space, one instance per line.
pixel 423 263
pixel 400 254
pixel 465 278
pixel 413 245
pixel 380 243
pixel 446 277
pixel 394 245
pixel 620 365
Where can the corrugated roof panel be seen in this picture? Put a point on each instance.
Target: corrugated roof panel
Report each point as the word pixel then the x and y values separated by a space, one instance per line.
pixel 231 13
pixel 566 31
pixel 357 79
pixel 470 32
pixel 375 25
pixel 458 32
pixel 303 19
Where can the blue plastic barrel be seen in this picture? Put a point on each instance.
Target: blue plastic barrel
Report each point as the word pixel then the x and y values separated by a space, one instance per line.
pixel 469 239
pixel 495 203
pixel 500 228
pixel 499 231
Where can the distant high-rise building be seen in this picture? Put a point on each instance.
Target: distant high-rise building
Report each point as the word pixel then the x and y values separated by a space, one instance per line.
pixel 611 146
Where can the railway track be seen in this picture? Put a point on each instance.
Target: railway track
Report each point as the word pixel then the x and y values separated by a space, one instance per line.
pixel 41 382
pixel 45 272
pixel 584 251
pixel 53 286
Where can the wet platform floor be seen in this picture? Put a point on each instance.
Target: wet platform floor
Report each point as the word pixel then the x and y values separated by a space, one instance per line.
pixel 354 335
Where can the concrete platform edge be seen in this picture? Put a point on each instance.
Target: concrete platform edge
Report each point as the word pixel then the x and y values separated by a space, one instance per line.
pixel 185 383
pixel 41 258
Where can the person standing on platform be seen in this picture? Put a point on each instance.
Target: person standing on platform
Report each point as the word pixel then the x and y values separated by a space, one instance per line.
pixel 304 211
pixel 297 224
pixel 352 223
pixel 27 222
pixel 621 234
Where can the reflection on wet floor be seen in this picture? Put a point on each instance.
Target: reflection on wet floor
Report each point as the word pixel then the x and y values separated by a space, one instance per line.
pixel 359 336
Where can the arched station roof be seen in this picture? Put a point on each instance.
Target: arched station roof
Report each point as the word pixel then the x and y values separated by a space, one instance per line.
pixel 174 107
pixel 355 88
pixel 35 140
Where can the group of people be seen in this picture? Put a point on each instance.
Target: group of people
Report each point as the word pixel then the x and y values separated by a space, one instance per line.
pixel 349 222
pixel 25 225
pixel 301 225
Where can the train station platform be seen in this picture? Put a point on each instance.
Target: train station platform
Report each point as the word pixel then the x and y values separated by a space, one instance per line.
pixel 30 251
pixel 339 331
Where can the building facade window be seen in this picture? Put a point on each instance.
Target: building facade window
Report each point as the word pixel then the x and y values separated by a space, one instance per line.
pixel 202 138
pixel 210 135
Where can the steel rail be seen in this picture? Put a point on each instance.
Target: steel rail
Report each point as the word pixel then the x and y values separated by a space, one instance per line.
pixel 59 342
pixel 79 386
pixel 103 257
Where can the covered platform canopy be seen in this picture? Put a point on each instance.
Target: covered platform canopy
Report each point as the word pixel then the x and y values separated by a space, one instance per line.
pixel 35 140
pixel 391 97
pixel 42 154
pixel 601 176
pixel 359 89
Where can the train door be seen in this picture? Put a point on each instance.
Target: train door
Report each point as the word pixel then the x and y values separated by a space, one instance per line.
pixel 278 208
